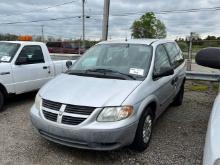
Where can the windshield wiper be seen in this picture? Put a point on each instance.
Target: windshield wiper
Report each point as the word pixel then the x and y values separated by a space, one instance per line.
pixel 75 72
pixel 110 71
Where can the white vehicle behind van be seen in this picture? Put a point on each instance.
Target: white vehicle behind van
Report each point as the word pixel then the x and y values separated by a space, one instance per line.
pixel 25 67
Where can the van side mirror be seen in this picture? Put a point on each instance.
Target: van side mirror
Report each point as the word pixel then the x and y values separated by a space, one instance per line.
pixel 69 64
pixel 209 57
pixel 166 71
pixel 21 60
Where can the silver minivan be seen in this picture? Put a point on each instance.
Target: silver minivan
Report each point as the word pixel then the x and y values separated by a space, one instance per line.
pixel 112 95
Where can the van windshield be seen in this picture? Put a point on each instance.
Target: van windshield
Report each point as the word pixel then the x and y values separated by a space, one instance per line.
pixel 7 51
pixel 132 60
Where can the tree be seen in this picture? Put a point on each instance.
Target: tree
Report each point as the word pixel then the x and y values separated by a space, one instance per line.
pixel 148 26
pixel 8 37
pixel 211 38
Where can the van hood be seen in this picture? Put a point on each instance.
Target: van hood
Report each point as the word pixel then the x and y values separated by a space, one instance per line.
pixel 88 91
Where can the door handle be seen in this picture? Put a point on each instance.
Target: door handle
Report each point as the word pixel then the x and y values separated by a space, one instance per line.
pixel 45 67
pixel 174 80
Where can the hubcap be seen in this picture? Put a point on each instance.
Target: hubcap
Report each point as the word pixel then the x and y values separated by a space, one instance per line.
pixel 147 129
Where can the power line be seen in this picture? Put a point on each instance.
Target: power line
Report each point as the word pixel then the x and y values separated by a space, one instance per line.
pixel 51 26
pixel 51 19
pixel 189 10
pixel 167 11
pixel 33 21
pixel 122 14
pixel 73 25
pixel 46 8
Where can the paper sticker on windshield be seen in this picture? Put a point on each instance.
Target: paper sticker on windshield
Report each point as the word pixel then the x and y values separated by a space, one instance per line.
pixel 137 71
pixel 6 58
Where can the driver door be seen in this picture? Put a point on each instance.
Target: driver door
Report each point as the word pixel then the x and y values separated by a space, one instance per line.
pixel 30 70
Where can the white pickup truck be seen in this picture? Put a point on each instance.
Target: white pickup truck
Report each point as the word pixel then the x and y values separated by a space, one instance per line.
pixel 25 67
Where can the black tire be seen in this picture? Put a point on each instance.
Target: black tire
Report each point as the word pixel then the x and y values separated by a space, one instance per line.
pixel 139 144
pixel 179 98
pixel 2 100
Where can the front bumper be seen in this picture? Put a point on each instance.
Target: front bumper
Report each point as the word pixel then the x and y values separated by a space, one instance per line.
pixel 94 136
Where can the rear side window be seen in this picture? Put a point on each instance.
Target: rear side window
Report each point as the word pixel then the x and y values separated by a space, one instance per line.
pixel 175 54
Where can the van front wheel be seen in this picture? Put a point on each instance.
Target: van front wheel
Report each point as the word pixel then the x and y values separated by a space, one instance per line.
pixel 144 131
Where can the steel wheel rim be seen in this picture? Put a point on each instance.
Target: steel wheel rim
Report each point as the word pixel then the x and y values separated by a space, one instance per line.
pixel 147 129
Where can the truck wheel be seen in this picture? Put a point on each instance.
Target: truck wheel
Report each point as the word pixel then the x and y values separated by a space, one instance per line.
pixel 179 98
pixel 144 131
pixel 2 99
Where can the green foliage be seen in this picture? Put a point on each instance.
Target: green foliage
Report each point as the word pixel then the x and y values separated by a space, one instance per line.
pixel 183 46
pixel 198 44
pixel 88 43
pixel 211 38
pixel 199 88
pixel 148 26
pixel 8 37
pixel 12 37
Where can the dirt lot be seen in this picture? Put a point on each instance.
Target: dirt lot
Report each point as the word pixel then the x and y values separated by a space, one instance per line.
pixel 178 136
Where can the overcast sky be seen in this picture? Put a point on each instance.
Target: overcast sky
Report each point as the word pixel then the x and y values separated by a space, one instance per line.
pixel 178 24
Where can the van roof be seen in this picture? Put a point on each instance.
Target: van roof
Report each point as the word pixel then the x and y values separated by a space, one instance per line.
pixel 138 41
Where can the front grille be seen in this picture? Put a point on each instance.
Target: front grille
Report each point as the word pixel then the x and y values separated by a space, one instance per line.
pixel 51 110
pixel 51 105
pixel 82 110
pixel 72 120
pixel 50 116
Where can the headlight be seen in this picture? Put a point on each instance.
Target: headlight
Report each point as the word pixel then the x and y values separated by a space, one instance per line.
pixel 38 101
pixel 110 114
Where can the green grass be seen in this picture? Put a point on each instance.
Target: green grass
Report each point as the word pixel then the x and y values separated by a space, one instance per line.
pixel 215 86
pixel 198 87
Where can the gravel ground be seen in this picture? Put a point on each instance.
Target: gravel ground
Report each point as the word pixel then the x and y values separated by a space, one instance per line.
pixel 178 137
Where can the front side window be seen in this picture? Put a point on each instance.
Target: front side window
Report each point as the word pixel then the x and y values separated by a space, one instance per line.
pixel 31 55
pixel 161 60
pixel 127 59
pixel 8 51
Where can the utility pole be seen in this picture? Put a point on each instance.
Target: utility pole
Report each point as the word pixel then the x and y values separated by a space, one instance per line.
pixel 105 20
pixel 189 61
pixel 83 23
pixel 42 33
pixel 79 45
